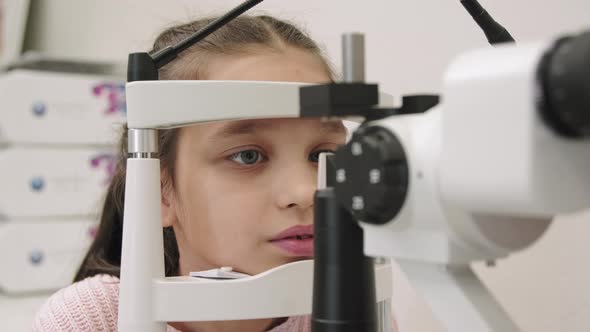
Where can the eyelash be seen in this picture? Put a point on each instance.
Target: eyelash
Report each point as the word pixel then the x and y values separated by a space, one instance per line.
pixel 262 157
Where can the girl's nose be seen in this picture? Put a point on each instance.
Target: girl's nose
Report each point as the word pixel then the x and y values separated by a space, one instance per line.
pixel 296 186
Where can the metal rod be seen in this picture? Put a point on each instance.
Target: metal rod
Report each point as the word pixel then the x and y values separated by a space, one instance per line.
pixel 353 58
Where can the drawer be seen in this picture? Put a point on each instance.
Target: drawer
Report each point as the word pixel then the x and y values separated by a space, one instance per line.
pixel 53 182
pixel 17 312
pixel 47 107
pixel 42 255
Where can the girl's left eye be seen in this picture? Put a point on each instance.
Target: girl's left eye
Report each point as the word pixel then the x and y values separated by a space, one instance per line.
pixel 315 156
pixel 247 157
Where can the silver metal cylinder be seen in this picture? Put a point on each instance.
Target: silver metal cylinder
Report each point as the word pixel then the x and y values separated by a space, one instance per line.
pixel 353 58
pixel 142 143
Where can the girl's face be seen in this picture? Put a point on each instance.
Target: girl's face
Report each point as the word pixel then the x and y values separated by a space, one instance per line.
pixel 242 187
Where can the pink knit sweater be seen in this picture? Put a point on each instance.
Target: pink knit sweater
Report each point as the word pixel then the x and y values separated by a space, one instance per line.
pixel 92 305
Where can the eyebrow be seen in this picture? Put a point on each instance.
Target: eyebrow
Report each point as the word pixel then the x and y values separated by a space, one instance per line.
pixel 249 127
pixel 332 127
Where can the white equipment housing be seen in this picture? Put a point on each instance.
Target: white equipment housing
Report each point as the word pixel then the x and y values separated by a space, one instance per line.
pixel 145 294
pixel 486 177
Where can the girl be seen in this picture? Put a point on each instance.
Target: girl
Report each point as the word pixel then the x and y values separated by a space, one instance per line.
pixel 229 189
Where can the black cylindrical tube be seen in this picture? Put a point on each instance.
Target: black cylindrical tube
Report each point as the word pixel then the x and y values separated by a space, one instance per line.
pixel 564 76
pixel 344 278
pixel 493 30
pixel 164 56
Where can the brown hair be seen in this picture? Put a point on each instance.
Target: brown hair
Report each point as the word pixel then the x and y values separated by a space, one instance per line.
pixel 240 36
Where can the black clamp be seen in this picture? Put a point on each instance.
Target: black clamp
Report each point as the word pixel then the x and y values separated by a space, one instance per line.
pixel 356 99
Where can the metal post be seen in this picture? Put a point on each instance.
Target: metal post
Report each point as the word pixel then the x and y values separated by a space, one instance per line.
pixel 353 58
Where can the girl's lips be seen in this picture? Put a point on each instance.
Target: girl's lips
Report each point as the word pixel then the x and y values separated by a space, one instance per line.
pixel 295 231
pixel 296 241
pixel 296 247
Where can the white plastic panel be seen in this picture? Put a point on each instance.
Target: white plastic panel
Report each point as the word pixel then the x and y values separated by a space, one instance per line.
pixel 159 104
pixel 248 298
pixel 498 155
pixel 142 251
pixel 46 107
pixel 42 255
pixel 53 182
pixel 164 104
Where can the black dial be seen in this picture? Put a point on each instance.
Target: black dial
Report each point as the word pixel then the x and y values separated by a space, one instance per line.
pixel 371 175
pixel 564 75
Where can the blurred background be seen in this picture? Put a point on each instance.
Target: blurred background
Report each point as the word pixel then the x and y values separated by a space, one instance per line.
pixel 62 100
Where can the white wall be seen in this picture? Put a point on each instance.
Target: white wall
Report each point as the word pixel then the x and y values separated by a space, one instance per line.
pixel 409 43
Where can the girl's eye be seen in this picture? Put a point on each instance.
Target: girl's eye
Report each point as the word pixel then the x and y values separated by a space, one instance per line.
pixel 247 157
pixel 315 156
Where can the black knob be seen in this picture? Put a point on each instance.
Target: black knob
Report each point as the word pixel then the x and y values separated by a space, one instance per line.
pixel 564 75
pixel 371 175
